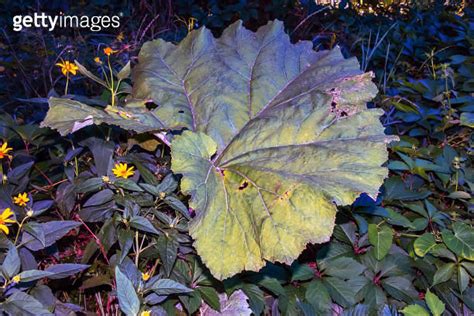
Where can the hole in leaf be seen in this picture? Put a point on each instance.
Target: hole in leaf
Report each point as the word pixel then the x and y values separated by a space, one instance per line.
pixel 243 185
pixel 150 105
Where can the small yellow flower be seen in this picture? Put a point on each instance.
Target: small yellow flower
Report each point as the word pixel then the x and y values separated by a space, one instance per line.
pixel 109 51
pixel 146 276
pixel 29 213
pixel 97 60
pixel 4 149
pixel 16 278
pixel 105 179
pixel 68 67
pixel 121 170
pixel 5 219
pixel 145 313
pixel 21 199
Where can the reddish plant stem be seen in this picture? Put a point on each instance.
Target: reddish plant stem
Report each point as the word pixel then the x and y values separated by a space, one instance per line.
pixel 97 240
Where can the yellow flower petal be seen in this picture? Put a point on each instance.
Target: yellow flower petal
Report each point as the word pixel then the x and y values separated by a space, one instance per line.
pixel 4 228
pixel 6 213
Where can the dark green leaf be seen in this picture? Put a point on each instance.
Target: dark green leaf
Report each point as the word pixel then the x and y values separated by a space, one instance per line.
pixel 424 244
pixel 167 287
pixel 127 184
pixel 127 297
pixel 381 239
pixel 11 264
pixel 60 271
pixel 143 224
pixel 53 231
pixel 444 273
pixel 90 185
pixel 20 303
pixel 318 296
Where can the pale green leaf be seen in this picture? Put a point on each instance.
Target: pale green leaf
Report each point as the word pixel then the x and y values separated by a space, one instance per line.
pixel 277 134
pixel 434 303
pixel 415 310
pixel 424 244
pixel 467 119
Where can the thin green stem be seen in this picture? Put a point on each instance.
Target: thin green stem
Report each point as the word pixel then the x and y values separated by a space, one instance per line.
pixel 67 84
pixel 138 249
pixel 112 90
pixel 409 235
pixel 19 228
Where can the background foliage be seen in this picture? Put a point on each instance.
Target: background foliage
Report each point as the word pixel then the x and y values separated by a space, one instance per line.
pixel 408 252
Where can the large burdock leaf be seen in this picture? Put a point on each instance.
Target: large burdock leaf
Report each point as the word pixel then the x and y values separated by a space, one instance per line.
pixel 277 135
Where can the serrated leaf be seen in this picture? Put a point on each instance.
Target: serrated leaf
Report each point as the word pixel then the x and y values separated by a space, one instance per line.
pixel 344 268
pixel 374 296
pixel 127 297
pixel 424 244
pixel 415 310
pixel 400 287
pixel 318 296
pixel 462 241
pixel 343 292
pixel 381 239
pixel 259 155
pixel 435 305
pixel 301 272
